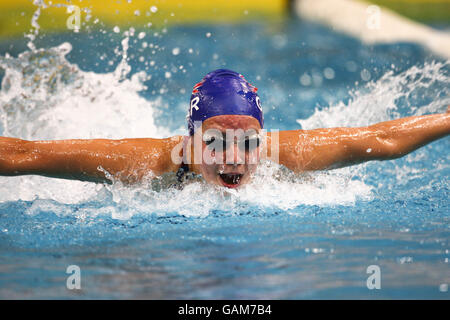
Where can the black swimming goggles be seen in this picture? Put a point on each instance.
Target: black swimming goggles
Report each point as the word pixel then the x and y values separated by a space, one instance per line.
pixel 215 141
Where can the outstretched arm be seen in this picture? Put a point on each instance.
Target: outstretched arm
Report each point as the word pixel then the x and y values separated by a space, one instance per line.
pixel 127 160
pixel 319 149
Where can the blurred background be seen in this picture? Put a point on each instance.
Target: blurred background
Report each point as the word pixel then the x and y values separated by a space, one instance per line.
pixel 322 47
pixel 15 16
pixel 126 68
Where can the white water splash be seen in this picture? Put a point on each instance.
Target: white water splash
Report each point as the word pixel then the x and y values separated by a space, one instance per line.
pixel 271 189
pixel 44 96
pixel 379 101
pixel 40 4
pixel 418 90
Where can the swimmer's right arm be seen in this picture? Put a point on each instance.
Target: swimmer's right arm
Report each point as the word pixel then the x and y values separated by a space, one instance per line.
pixel 128 160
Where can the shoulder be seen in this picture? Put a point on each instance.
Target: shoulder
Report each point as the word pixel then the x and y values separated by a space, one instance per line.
pixel 161 154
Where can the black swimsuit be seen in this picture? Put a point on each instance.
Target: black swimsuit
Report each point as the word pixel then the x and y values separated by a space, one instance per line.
pixel 182 171
pixel 181 174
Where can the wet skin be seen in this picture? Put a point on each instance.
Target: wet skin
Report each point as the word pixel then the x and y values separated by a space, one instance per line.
pixel 133 160
pixel 219 167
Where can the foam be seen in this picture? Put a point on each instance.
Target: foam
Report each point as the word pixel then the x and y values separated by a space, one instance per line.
pixel 54 99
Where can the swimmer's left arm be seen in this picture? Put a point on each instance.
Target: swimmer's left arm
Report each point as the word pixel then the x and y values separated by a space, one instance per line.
pixel 321 149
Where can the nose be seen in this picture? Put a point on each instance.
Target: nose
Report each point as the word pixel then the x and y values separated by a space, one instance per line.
pixel 234 155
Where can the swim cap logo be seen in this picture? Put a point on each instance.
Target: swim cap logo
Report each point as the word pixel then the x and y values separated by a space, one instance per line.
pixel 254 89
pixel 198 85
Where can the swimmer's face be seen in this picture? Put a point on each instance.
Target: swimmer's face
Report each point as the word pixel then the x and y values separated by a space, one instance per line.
pixel 230 148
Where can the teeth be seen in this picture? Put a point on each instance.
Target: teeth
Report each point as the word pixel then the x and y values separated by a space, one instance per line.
pixel 231 178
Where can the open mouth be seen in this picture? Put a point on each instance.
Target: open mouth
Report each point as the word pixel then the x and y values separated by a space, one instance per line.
pixel 231 180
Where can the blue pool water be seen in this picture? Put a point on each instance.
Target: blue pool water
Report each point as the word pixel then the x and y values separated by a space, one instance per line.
pixel 281 237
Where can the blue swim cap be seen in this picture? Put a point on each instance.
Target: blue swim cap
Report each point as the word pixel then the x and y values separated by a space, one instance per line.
pixel 223 92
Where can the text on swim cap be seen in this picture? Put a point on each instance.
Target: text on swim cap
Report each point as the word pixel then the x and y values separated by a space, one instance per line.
pixel 258 103
pixel 194 103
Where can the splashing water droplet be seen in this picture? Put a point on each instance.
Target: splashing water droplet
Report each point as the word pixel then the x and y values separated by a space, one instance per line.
pixel 176 51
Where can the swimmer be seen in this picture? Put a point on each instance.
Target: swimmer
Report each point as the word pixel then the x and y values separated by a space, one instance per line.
pixel 225 143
